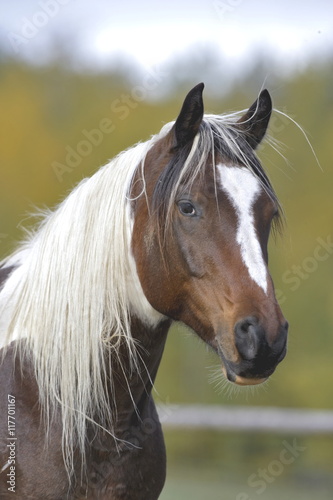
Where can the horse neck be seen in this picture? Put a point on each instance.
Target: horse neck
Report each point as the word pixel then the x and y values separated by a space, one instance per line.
pixel 132 391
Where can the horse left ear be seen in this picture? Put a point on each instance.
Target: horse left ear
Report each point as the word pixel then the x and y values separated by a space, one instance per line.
pixel 255 121
pixel 190 116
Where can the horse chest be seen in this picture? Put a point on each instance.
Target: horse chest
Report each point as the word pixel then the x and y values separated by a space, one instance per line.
pixel 127 474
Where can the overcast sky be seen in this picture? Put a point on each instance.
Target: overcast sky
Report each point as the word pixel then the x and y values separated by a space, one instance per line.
pixel 152 32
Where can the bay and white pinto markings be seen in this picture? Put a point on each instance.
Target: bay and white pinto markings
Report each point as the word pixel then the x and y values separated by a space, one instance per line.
pixel 175 228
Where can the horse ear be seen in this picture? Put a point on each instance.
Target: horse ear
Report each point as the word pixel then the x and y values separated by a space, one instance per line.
pixel 255 121
pixel 190 116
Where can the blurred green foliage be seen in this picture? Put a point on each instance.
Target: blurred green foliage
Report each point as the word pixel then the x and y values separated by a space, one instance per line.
pixel 46 113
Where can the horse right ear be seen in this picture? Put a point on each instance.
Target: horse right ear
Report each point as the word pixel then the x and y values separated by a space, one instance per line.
pixel 190 117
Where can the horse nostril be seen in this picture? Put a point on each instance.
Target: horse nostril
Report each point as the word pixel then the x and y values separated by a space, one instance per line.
pixel 248 334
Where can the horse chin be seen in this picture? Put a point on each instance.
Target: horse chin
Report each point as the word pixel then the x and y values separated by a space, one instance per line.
pixel 236 379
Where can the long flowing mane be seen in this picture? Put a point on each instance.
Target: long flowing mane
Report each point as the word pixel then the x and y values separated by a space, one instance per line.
pixel 69 301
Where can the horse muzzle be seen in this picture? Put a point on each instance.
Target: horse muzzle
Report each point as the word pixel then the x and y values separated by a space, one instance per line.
pixel 257 357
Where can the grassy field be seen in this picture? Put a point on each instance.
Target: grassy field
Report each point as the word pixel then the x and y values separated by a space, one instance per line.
pixel 205 465
pixel 202 485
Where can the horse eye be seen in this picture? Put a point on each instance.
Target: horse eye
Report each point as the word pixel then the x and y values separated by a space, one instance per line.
pixel 186 208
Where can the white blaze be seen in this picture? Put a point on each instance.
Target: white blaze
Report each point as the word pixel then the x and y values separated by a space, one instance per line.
pixel 242 189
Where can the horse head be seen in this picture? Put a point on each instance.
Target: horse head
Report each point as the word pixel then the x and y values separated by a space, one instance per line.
pixel 201 232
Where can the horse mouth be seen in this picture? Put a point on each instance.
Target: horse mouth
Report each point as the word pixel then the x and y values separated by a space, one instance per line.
pixel 238 380
pixel 238 376
pixel 248 366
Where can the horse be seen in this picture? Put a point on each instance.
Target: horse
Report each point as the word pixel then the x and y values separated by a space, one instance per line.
pixel 173 229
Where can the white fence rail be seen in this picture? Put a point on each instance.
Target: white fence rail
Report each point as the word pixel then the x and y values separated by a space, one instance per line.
pixel 244 418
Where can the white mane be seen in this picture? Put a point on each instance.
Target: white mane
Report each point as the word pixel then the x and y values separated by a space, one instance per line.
pixel 72 294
